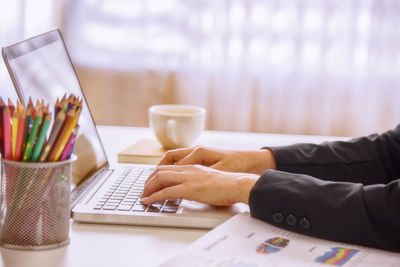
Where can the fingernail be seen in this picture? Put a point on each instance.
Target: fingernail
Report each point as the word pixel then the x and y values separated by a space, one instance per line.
pixel 145 199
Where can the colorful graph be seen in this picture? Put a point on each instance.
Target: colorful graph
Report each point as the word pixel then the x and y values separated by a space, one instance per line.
pixel 278 242
pixel 272 245
pixel 337 256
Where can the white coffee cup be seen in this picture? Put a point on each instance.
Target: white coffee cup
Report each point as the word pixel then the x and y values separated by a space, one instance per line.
pixel 176 126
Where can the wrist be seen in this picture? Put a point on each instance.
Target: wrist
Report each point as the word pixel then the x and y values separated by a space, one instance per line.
pixel 244 184
pixel 260 161
pixel 269 159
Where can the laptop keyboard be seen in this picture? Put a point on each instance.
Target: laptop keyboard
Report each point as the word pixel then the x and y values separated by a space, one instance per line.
pixel 124 194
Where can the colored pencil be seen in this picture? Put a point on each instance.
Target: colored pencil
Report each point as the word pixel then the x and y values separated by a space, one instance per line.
pixel 56 108
pixel 45 111
pixel 62 132
pixel 7 133
pixel 41 138
pixel 68 147
pixel 28 125
pixel 66 131
pixel 30 102
pixel 14 132
pixel 70 102
pixel 79 105
pixel 53 135
pixel 20 136
pixel 67 135
pixel 11 107
pixel 32 136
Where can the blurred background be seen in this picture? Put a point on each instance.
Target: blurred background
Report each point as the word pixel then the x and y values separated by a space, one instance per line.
pixel 326 67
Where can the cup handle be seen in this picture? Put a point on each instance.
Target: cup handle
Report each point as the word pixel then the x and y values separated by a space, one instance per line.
pixel 171 125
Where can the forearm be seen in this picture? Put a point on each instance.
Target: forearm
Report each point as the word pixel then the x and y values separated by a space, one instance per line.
pixel 346 212
pixel 368 160
pixel 256 161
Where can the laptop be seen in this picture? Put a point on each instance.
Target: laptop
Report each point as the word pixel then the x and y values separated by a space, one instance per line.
pixel 42 68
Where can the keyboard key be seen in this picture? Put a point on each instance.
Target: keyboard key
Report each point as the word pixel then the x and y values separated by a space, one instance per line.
pixel 157 204
pixel 119 194
pixel 129 201
pixel 111 201
pixel 173 202
pixel 153 209
pixel 169 210
pixel 122 194
pixel 124 187
pixel 125 207
pixel 139 207
pixel 98 206
pixel 110 207
pixel 136 190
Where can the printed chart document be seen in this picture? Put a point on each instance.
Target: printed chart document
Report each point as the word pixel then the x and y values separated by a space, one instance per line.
pixel 247 242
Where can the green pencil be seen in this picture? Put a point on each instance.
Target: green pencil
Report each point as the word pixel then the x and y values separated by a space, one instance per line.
pixel 41 138
pixel 27 127
pixel 32 136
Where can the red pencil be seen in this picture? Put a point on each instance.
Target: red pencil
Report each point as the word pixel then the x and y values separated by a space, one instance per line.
pixel 7 133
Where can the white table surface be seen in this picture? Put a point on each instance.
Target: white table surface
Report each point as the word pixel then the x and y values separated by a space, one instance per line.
pixel 116 245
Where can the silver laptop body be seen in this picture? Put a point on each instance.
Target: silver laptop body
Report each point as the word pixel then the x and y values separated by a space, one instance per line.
pixel 42 68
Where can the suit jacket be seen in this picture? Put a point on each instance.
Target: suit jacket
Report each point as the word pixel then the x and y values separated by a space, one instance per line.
pixel 345 191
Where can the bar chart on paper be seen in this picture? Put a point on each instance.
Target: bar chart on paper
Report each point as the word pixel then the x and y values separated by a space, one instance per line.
pixel 247 242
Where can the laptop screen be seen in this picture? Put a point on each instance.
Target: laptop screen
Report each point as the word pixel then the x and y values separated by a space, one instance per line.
pixel 41 68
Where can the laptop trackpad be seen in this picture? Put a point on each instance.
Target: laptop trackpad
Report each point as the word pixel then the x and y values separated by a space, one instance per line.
pixel 201 209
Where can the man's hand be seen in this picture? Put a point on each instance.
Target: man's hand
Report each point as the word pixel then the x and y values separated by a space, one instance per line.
pixel 246 161
pixel 199 183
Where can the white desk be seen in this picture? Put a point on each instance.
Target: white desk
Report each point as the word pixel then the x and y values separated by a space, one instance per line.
pixel 116 245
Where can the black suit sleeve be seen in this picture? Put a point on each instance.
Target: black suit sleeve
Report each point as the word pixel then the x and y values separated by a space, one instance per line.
pixel 342 191
pixel 368 160
pixel 346 212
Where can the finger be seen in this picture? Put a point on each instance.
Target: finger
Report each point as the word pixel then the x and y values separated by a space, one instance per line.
pixel 161 180
pixel 175 168
pixel 199 155
pixel 175 155
pixel 176 191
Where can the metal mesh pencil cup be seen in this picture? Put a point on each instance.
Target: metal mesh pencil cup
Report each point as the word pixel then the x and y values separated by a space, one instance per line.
pixel 35 200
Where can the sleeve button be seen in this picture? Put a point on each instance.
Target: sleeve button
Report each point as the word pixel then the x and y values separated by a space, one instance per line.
pixel 277 217
pixel 291 220
pixel 305 223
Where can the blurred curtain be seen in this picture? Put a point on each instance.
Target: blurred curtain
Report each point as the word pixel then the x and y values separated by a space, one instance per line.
pixel 21 19
pixel 327 67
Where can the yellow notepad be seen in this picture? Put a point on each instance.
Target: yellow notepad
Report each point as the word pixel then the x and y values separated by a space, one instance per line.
pixel 146 151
